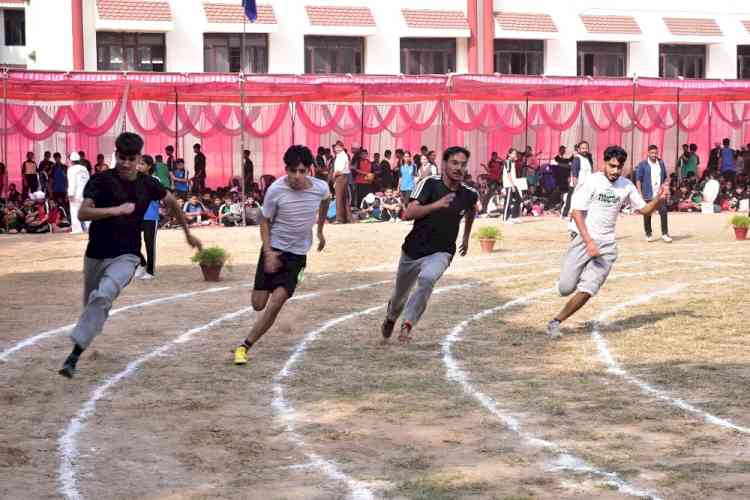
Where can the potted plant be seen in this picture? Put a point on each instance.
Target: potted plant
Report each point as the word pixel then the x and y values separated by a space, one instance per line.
pixel 740 224
pixel 487 237
pixel 211 260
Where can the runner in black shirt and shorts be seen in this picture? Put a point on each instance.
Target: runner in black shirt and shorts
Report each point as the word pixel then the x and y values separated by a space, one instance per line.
pixel 437 205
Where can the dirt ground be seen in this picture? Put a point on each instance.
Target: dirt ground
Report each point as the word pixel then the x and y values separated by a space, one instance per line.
pixel 348 418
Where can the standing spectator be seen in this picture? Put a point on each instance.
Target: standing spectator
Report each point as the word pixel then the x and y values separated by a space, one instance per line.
pixel 46 163
pixel 581 169
pixel 199 177
pixel 690 168
pixel 3 181
pixel 78 177
pixel 161 172
pixel 494 169
pixel 30 175
pixel 248 171
pixel 386 171
pixel 363 176
pixel 562 169
pixel 169 150
pixel 512 194
pixel 727 158
pixel 714 157
pixel 432 156
pixel 649 177
pixel 59 182
pixel 101 165
pixel 180 179
pixel 149 225
pixel 407 173
pixel 377 173
pixel 86 163
pixel 341 173
pixel 43 174
pixel 426 169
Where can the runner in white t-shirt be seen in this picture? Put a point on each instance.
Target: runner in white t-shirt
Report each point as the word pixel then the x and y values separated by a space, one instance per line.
pixel 596 206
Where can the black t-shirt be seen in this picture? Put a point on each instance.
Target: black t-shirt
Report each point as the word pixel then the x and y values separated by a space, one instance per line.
pixel 200 166
pixel 115 236
pixel 438 231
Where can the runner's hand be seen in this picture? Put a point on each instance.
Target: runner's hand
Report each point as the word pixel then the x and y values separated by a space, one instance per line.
pixel 592 249
pixel 126 209
pixel 445 201
pixel 321 241
pixel 272 261
pixel 464 248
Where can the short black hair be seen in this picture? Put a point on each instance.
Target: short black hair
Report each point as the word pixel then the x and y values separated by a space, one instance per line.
pixel 693 147
pixel 179 161
pixel 196 145
pixel 245 151
pixel 615 152
pixel 56 155
pixel 582 143
pixel 147 160
pixel 652 147
pixel 129 143
pixel 169 147
pixel 387 153
pixel 159 158
pixel 454 150
pixel 297 154
pixel 725 142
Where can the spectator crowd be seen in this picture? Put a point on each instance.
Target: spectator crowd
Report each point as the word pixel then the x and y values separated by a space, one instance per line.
pixel 365 187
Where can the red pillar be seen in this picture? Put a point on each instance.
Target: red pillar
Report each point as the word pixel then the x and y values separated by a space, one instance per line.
pixel 471 11
pixel 77 9
pixel 488 55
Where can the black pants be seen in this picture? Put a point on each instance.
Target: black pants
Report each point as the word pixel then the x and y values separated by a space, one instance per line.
pixel 148 227
pixel 568 200
pixel 199 185
pixel 662 215
pixel 32 184
pixel 512 204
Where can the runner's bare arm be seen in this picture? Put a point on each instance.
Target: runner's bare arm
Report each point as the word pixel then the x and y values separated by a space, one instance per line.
pixel 88 212
pixel 580 221
pixel 468 222
pixel 322 214
pixel 171 203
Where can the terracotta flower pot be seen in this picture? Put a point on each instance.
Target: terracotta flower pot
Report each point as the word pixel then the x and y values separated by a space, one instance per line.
pixel 487 245
pixel 211 273
pixel 740 233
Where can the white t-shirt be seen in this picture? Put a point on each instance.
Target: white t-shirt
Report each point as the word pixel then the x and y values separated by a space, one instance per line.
pixel 293 214
pixel 585 170
pixel 78 176
pixel 655 177
pixel 602 201
pixel 341 163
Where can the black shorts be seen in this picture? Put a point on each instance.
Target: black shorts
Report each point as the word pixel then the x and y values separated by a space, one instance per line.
pixel 287 277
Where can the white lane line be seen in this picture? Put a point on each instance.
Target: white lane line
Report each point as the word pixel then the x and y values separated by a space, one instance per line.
pixel 564 460
pixel 614 367
pixel 286 412
pixel 28 342
pixel 67 443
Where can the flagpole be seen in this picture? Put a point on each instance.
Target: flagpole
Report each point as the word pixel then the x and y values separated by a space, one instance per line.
pixel 242 115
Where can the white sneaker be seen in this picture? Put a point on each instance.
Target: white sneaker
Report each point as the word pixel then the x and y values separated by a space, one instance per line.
pixel 649 239
pixel 665 238
pixel 553 330
pixel 147 276
pixel 140 271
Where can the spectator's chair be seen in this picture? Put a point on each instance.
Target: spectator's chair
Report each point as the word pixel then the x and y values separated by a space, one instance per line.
pixel 710 192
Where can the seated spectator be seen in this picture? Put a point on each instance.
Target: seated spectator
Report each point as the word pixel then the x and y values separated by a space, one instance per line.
pixel 13 218
pixel 370 208
pixel 227 216
pixel 252 212
pixel 195 212
pixel 685 201
pixel 391 205
pixel 495 205
pixel 36 220
pixel 736 198
pixel 57 219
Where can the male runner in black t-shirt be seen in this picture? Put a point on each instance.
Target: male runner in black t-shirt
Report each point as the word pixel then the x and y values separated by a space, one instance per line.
pixel 115 201
pixel 437 205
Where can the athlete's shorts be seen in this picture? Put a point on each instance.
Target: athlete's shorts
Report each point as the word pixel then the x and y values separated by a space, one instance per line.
pixel 288 276
pixel 581 272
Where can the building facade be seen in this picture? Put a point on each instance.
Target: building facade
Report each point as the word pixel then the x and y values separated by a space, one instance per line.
pixel 670 38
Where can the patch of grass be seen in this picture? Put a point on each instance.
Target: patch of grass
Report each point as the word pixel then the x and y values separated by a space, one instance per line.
pixel 439 488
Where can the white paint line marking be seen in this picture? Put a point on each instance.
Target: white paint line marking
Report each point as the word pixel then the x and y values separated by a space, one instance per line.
pixel 563 459
pixel 6 354
pixel 615 368
pixel 67 443
pixel 285 410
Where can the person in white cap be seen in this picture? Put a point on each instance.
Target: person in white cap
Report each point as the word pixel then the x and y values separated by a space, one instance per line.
pixel 78 176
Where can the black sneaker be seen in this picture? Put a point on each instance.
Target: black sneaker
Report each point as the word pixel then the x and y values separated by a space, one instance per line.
pixel 387 328
pixel 69 367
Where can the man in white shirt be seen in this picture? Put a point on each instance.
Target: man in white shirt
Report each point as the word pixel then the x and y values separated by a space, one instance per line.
pixel 596 206
pixel 293 205
pixel 78 176
pixel 649 175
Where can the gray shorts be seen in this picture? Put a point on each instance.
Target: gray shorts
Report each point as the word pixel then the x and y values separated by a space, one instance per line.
pixel 580 272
